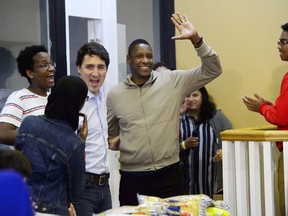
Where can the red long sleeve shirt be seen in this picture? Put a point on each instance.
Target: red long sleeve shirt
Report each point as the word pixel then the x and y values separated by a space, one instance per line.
pixel 277 114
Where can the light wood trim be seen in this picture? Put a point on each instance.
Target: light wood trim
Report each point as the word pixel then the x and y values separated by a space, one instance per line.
pixel 262 133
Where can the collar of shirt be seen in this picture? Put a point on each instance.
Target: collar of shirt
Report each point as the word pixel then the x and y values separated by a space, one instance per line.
pixel 97 98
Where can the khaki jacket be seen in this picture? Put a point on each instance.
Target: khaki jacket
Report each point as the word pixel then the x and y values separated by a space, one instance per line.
pixel 147 117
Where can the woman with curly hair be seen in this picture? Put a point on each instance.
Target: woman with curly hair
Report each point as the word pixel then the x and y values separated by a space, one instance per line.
pixel 200 143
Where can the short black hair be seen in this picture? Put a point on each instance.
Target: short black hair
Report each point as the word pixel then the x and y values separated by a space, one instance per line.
pixel 14 159
pixel 25 59
pixel 285 27
pixel 159 64
pixel 92 48
pixel 134 43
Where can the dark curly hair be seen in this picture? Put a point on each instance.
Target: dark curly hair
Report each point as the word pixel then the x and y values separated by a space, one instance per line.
pixel 25 59
pixel 92 48
pixel 285 27
pixel 14 159
pixel 208 107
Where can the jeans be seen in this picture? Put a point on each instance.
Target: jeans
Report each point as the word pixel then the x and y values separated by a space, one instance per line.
pixel 95 199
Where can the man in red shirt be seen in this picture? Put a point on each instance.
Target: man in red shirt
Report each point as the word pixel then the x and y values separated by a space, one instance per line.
pixel 277 113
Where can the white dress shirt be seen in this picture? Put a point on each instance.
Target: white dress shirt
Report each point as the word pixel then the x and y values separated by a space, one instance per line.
pixel 96 145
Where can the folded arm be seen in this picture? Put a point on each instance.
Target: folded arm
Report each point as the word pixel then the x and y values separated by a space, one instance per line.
pixel 8 133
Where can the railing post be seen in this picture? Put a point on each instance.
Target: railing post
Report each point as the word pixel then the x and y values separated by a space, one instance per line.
pixel 241 166
pixel 229 177
pixel 255 178
pixel 268 178
pixel 285 163
pixel 250 191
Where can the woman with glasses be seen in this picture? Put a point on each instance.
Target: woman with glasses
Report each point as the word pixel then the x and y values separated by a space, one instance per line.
pixel 200 143
pixel 35 64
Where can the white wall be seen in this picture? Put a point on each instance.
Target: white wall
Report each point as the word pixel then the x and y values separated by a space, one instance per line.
pixel 97 9
pixel 20 27
pixel 137 15
pixel 26 27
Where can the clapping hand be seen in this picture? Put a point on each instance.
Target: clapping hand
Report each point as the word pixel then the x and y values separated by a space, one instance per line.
pixel 253 104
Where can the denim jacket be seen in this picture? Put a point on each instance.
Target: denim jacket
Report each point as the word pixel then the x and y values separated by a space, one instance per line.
pixel 56 155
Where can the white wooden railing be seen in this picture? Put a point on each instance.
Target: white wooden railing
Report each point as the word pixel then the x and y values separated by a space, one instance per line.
pixel 249 165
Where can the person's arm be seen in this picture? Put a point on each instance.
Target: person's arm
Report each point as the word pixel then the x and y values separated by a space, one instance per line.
pixel 254 104
pixel 10 119
pixel 219 123
pixel 77 171
pixel 186 30
pixel 193 79
pixel 114 143
pixel 190 142
pixel 83 130
pixel 218 156
pixel 8 133
pixel 276 113
pixel 113 126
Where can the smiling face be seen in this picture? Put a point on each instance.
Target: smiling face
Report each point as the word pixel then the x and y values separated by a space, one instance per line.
pixel 283 49
pixel 141 63
pixel 93 71
pixel 42 75
pixel 194 101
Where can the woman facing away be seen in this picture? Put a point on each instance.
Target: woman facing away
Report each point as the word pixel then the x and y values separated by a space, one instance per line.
pixel 200 143
pixel 55 151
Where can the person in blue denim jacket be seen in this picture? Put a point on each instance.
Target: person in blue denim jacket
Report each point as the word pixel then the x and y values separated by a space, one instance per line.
pixel 55 151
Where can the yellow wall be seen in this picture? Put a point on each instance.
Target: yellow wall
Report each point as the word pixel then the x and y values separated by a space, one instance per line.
pixel 245 35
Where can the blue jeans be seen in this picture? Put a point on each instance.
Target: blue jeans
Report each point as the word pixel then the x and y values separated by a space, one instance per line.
pixel 95 199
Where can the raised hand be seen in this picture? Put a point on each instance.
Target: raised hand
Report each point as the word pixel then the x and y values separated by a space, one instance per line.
pixel 185 28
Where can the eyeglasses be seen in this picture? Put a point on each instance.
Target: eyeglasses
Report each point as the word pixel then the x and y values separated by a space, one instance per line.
pixel 282 42
pixel 46 65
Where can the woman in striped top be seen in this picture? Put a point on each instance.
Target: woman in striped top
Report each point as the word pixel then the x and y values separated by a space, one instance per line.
pixel 200 143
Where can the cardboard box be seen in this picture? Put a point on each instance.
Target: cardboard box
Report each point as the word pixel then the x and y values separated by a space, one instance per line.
pixel 217 197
